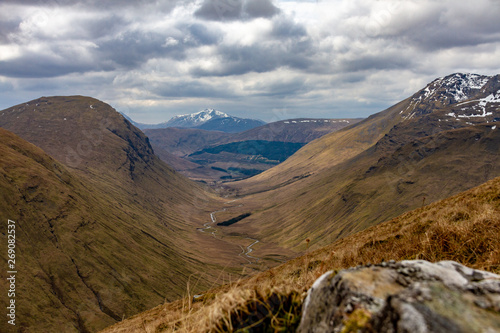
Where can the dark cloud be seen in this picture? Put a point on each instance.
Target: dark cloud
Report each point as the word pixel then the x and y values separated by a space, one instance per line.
pixel 190 89
pixel 220 10
pixel 95 28
pixel 286 28
pixel 202 35
pixel 126 49
pixel 375 62
pixel 165 4
pixel 261 58
pixel 133 48
pixel 283 88
pixel 286 45
pixel 6 28
pixel 434 37
pixel 439 25
pixel 40 66
pixel 227 10
pixel 260 8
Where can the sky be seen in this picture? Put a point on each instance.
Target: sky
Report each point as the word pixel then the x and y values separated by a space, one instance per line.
pixel 263 59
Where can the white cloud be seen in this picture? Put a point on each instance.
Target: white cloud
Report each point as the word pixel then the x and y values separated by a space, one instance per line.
pixel 311 58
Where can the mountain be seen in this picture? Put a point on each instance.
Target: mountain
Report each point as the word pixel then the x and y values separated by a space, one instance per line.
pixel 464 228
pixel 442 140
pixel 208 119
pixel 104 228
pixel 195 119
pixel 230 124
pixel 215 155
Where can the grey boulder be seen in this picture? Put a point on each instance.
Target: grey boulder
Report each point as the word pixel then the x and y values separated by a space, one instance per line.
pixel 407 296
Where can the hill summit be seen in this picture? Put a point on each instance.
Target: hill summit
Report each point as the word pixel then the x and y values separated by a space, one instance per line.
pixel 469 95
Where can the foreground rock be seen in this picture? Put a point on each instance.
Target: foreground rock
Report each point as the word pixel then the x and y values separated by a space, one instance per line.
pixel 408 296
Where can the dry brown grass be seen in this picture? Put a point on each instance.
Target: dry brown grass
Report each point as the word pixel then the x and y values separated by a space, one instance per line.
pixel 464 228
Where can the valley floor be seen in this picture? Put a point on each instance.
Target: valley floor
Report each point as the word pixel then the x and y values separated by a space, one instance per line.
pixel 464 228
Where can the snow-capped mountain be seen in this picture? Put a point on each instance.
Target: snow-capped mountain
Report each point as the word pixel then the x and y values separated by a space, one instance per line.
pixel 195 119
pixel 463 96
pixel 213 120
pixel 208 119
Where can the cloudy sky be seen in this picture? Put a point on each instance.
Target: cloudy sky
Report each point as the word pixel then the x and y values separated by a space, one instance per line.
pixel 266 59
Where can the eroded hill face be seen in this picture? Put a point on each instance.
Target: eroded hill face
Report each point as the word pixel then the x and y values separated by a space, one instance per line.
pixel 440 141
pixel 104 228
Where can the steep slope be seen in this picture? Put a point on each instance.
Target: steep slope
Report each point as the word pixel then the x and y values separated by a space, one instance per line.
pixel 419 150
pixel 464 228
pixel 104 228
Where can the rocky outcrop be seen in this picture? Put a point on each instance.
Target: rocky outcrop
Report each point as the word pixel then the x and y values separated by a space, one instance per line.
pixel 408 296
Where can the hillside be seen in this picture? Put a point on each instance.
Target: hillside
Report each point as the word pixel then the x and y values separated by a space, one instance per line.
pixel 102 223
pixel 418 150
pixel 230 124
pixel 191 145
pixel 464 228
pixel 299 130
pixel 446 103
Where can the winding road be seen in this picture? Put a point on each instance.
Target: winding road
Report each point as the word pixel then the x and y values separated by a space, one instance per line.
pixel 245 251
pixel 208 226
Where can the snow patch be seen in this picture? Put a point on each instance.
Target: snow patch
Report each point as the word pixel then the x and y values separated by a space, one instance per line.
pixel 459 86
pixel 202 116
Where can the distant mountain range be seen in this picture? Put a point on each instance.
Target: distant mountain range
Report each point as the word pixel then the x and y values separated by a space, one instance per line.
pixel 208 119
pixel 212 155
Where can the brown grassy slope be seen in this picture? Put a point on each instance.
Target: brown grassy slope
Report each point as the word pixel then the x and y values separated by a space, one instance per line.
pixel 85 259
pixel 105 237
pixel 373 187
pixel 375 170
pixel 325 152
pixel 464 228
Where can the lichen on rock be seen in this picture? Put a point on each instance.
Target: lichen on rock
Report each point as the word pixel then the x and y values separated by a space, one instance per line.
pixel 406 296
